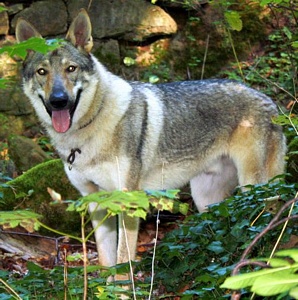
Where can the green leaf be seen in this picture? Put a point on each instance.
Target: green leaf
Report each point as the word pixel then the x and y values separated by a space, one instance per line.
pixel 287 32
pixel 245 280
pixel 34 43
pixel 25 218
pixel 274 284
pixel 128 61
pixel 166 200
pixel 278 262
pixel 294 292
pixel 285 120
pixel 32 267
pixel 233 18
pixel 74 257
pixel 171 194
pixel 153 79
pixel 216 247
pixel 295 44
pixel 3 83
pixel 135 203
pixel 293 253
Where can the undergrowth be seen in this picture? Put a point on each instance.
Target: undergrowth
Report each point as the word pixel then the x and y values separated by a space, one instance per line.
pixel 191 262
pixel 194 260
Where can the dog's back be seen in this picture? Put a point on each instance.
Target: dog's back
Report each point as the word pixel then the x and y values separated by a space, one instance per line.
pixel 215 133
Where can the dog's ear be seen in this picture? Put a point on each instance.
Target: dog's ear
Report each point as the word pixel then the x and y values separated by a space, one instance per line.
pixel 24 30
pixel 79 33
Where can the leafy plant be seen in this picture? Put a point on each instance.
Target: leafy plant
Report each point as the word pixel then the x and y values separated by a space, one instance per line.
pixel 195 259
pixel 34 43
pixel 279 277
pixel 134 204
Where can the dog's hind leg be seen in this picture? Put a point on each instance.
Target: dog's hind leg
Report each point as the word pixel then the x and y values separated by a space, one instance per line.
pixel 215 184
pixel 258 154
pixel 276 154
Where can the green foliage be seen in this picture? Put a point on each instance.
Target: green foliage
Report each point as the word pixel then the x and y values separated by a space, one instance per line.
pixel 48 284
pixel 2 8
pixel 34 43
pixel 233 18
pixel 280 278
pixel 134 203
pixel 199 255
pixel 24 218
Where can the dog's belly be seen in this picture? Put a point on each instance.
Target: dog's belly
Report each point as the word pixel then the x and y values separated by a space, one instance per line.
pixel 167 178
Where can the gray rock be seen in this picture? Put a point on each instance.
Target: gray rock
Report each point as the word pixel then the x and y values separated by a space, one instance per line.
pixel 25 153
pixel 49 17
pixel 13 101
pixel 4 23
pixel 132 20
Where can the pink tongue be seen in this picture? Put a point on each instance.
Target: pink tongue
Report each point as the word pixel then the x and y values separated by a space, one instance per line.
pixel 61 120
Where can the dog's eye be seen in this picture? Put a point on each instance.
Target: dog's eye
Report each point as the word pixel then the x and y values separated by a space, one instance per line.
pixel 42 71
pixel 71 69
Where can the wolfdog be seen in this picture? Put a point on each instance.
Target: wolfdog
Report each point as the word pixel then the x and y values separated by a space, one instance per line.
pixel 114 134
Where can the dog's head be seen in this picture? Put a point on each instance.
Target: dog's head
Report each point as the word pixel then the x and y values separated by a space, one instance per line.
pixel 54 82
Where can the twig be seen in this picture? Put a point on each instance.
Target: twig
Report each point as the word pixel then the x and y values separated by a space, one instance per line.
pixel 85 258
pixel 279 237
pixel 273 224
pixel 154 254
pixel 65 276
pixel 270 226
pixel 235 54
pixel 10 289
pixel 205 56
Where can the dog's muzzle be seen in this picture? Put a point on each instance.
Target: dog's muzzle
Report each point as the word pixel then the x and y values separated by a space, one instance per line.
pixel 58 99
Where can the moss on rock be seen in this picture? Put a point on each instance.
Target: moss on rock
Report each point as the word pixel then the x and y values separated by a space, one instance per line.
pixel 30 191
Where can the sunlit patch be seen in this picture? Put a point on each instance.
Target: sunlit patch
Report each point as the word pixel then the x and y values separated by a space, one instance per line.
pixel 247 123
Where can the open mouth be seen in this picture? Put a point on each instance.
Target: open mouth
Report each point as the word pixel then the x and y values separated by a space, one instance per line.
pixel 62 118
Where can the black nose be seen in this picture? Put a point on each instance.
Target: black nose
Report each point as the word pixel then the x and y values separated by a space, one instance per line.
pixel 59 98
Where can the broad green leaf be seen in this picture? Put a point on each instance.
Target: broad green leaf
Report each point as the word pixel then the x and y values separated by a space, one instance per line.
pixel 294 292
pixel 274 284
pixel 128 61
pixel 34 43
pixel 295 44
pixel 245 280
pixel 233 18
pixel 216 247
pixel 153 79
pixel 166 200
pixel 135 204
pixel 278 262
pixel 172 194
pixel 24 218
pixel 293 253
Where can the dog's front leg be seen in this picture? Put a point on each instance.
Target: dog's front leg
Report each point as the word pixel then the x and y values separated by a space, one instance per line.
pixel 105 235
